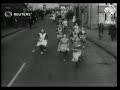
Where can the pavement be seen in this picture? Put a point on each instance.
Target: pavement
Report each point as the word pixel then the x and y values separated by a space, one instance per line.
pixel 106 43
pixel 97 67
pixel 9 31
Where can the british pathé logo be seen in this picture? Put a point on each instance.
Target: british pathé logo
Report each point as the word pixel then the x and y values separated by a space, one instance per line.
pixel 110 11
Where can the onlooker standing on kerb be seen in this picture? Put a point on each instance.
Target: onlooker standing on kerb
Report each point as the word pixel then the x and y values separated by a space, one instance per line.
pixel 112 31
pixel 101 30
pixel 30 21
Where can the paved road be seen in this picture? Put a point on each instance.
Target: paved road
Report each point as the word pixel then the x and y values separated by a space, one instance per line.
pixel 96 69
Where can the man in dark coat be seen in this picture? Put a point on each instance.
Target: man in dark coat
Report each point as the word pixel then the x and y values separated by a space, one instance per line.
pixel 101 30
pixel 30 21
pixel 112 31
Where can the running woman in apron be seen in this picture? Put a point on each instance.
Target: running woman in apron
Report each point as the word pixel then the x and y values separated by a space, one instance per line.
pixel 77 49
pixel 43 39
pixel 63 46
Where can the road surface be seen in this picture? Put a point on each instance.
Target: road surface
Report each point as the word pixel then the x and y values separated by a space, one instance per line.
pixel 97 67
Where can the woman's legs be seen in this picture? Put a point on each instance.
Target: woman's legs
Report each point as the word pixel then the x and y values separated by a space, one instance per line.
pixel 65 54
pixel 42 48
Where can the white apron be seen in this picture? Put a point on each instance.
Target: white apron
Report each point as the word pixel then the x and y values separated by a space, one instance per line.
pixel 42 40
pixel 76 55
pixel 64 46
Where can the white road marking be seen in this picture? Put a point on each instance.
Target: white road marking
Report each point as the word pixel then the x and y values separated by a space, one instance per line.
pixel 16 75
